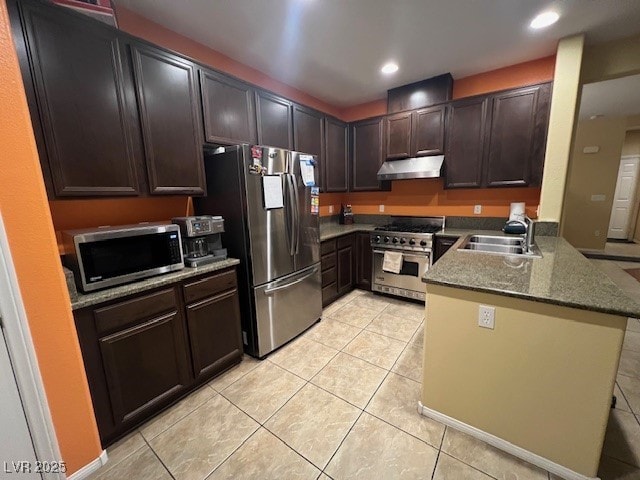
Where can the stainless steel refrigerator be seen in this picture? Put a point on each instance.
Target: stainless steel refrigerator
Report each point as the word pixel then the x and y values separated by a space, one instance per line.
pixel 271 224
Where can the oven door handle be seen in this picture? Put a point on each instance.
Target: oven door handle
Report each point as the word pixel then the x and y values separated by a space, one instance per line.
pixel 414 255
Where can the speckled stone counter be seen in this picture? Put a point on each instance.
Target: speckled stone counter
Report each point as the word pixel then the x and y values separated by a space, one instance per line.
pixel 561 277
pixel 81 300
pixel 333 230
pixel 461 232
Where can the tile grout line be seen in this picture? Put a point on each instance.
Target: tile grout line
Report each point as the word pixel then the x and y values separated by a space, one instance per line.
pixel 234 451
pixel 157 456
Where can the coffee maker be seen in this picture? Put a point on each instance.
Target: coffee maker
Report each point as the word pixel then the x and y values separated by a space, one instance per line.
pixel 201 242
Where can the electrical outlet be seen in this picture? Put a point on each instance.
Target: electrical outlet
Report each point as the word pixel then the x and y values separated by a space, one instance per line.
pixel 330 208
pixel 477 210
pixel 381 208
pixel 596 233
pixel 486 316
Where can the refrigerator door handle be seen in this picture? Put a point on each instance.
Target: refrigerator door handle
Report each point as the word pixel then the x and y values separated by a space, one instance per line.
pixel 292 214
pixel 271 290
pixel 294 181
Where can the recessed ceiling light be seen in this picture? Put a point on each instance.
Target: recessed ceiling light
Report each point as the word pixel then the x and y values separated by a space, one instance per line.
pixel 544 20
pixel 389 68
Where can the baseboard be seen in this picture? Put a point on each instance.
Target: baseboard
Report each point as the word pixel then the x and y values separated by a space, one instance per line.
pixel 504 445
pixel 88 469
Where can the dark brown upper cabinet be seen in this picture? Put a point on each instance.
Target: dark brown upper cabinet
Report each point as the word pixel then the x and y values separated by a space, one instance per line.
pixel 398 135
pixel 427 136
pixel 336 158
pixel 274 117
pixel 519 123
pixel 228 109
pixel 466 130
pixel 367 143
pixel 415 134
pixel 308 136
pixel 169 105
pixel 81 102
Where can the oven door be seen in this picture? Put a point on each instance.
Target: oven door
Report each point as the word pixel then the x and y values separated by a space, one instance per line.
pixel 407 283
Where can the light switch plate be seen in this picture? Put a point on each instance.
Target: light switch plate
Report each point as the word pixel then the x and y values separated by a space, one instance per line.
pixel 381 208
pixel 330 208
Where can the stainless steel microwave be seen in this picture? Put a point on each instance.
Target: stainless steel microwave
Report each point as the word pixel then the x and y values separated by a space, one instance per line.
pixel 110 256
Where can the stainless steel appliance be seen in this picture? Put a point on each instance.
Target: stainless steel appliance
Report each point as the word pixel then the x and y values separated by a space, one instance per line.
pixel 108 256
pixel 201 239
pixel 271 225
pixel 413 237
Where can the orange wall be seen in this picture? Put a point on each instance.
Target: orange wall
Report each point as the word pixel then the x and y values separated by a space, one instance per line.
pixel 422 197
pixel 428 196
pixel 23 203
pixel 72 214
pixel 521 74
pixel 129 21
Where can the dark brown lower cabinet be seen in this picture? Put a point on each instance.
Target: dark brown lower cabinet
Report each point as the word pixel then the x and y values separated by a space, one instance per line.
pixel 214 335
pixel 146 351
pixel 441 245
pixel 364 259
pixel 346 264
pixel 138 375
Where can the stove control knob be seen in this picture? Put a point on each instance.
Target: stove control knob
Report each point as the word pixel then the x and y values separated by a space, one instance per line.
pixel 412 242
pixel 402 241
pixel 376 239
pixel 386 239
pixel 395 240
pixel 423 243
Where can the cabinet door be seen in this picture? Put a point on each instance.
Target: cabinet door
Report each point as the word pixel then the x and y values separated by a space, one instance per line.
pixel 540 134
pixel 84 104
pixel 170 116
pixel 345 270
pixel 336 158
pixel 512 137
pixel 275 126
pixel 465 143
pixel 308 136
pixel 398 139
pixel 214 333
pixel 428 131
pixel 144 365
pixel 228 109
pixel 363 261
pixel 367 139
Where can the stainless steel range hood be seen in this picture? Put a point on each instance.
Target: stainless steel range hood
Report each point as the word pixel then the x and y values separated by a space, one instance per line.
pixel 419 167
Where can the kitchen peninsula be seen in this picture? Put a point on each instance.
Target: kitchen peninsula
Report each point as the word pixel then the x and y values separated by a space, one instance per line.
pixel 538 383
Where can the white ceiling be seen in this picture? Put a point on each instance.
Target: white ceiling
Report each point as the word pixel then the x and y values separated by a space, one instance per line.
pixel 333 49
pixel 619 98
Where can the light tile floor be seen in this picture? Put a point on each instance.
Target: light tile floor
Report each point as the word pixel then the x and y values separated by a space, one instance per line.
pixel 341 402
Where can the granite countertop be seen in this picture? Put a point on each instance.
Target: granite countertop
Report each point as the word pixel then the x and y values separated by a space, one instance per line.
pixel 81 300
pixel 333 230
pixel 461 232
pixel 561 277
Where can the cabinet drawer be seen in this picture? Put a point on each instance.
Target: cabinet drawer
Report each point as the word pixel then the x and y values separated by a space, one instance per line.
pixel 346 241
pixel 329 294
pixel 121 315
pixel 327 246
pixel 329 276
pixel 209 286
pixel 328 261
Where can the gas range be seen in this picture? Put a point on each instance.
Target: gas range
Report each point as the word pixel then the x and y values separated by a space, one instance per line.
pixel 407 233
pixel 411 237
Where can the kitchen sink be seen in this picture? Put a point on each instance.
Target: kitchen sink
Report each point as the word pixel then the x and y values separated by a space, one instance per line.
pixel 488 239
pixel 498 246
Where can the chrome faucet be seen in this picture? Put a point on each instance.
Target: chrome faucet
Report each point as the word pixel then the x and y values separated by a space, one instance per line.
pixel 529 234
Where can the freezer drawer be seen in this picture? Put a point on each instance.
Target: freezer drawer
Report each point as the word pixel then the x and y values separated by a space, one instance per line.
pixel 287 307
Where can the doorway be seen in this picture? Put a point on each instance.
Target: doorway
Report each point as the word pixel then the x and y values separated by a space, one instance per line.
pixel 625 200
